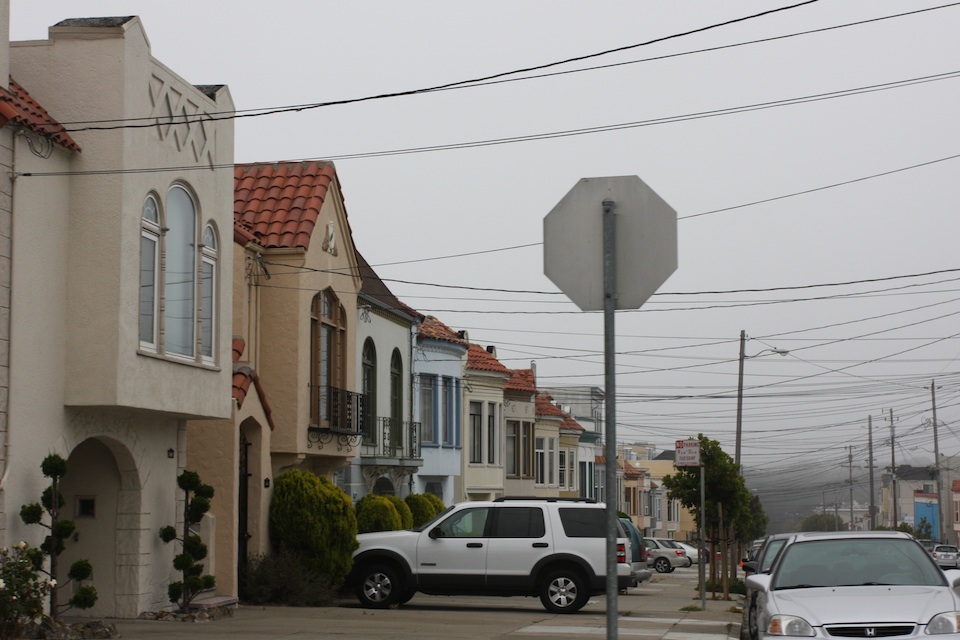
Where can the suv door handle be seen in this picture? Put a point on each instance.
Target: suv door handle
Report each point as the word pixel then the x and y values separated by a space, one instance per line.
pixel 474 545
pixel 540 545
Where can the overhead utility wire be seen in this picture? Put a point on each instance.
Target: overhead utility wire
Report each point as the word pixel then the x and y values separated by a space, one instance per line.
pixel 786 102
pixel 450 85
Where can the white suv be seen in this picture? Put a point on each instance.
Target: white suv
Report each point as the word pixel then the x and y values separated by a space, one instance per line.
pixel 553 548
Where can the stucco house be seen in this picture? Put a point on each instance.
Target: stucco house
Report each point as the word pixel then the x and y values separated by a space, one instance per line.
pixel 484 379
pixel 295 403
pixel 438 406
pixel 389 452
pixel 519 414
pixel 119 302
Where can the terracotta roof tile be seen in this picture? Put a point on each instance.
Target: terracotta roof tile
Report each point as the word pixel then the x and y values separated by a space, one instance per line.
pixel 243 377
pixel 18 107
pixel 522 380
pixel 545 406
pixel 479 359
pixel 433 329
pixel 280 202
pixel 570 424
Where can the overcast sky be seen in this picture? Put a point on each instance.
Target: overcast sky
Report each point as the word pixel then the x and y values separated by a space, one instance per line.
pixel 813 175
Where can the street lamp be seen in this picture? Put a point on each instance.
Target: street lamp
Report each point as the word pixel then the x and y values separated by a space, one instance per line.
pixel 743 356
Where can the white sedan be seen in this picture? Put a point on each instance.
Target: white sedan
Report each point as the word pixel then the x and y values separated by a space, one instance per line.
pixel 692 552
pixel 856 584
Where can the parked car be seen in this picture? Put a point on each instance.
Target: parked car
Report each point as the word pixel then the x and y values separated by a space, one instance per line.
pixel 552 548
pixel 639 570
pixel 692 552
pixel 763 561
pixel 665 555
pixel 859 584
pixel 946 556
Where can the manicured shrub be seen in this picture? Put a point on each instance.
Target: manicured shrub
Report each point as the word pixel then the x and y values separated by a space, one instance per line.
pixel 377 513
pixel 421 508
pixel 437 503
pixel 193 580
pixel 313 519
pixel 60 529
pixel 406 516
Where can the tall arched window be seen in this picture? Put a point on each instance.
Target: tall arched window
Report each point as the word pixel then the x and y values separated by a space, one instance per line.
pixel 149 272
pixel 208 294
pixel 368 382
pixel 396 386
pixel 174 256
pixel 328 331
pixel 180 245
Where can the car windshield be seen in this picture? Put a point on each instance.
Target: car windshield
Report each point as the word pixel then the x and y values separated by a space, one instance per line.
pixel 854 562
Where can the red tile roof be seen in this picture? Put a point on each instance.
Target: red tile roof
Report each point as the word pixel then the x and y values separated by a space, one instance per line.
pixel 374 290
pixel 546 407
pixel 522 380
pixel 280 202
pixel 433 329
pixel 570 424
pixel 18 107
pixel 479 359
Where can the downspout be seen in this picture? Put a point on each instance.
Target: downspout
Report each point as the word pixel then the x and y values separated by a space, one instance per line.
pixel 6 434
pixel 414 332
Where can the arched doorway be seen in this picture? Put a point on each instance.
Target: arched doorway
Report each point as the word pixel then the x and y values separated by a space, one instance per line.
pixel 384 487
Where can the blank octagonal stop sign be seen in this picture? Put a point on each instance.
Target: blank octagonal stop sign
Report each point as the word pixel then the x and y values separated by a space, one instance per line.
pixel 645 246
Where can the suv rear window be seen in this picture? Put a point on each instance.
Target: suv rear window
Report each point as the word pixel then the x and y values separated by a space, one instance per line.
pixel 519 522
pixel 583 523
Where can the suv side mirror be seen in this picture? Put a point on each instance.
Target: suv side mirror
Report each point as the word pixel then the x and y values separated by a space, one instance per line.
pixel 435 533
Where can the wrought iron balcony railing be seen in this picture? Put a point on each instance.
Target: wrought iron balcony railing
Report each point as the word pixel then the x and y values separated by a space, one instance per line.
pixel 337 410
pixel 391 438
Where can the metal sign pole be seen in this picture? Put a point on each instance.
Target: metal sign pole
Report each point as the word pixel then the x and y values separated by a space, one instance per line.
pixel 610 495
pixel 703 538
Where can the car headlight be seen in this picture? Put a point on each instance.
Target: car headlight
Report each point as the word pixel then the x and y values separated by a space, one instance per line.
pixel 789 626
pixel 941 623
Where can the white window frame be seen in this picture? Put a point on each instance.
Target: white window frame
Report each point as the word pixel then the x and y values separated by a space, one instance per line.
pixel 150 232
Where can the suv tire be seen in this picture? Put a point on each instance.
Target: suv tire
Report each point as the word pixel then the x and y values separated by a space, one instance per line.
pixel 662 565
pixel 563 591
pixel 380 586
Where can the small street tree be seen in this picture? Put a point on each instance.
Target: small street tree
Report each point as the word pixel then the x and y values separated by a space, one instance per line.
pixel 197 498
pixel 727 501
pixel 60 529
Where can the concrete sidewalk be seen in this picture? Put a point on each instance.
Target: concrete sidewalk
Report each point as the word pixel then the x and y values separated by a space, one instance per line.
pixel 656 609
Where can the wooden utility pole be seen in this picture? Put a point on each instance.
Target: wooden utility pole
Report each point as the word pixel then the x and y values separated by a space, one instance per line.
pixel 893 471
pixel 941 529
pixel 873 504
pixel 850 481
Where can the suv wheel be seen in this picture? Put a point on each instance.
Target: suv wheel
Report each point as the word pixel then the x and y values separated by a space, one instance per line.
pixel 662 565
pixel 379 587
pixel 563 591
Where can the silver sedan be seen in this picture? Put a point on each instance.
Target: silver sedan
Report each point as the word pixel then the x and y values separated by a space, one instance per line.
pixel 856 584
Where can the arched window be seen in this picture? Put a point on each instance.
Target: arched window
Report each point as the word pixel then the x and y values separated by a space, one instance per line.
pixel 396 386
pixel 172 258
pixel 149 272
pixel 208 294
pixel 328 331
pixel 368 382
pixel 180 245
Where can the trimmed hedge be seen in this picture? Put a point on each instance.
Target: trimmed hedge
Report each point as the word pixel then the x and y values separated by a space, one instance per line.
pixel 377 513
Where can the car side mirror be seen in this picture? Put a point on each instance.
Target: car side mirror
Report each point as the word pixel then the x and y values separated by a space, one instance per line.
pixel 435 533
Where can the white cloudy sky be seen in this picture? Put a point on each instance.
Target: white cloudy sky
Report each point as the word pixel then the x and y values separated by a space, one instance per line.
pixel 827 226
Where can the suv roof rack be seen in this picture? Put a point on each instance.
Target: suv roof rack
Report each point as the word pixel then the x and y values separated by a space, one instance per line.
pixel 542 499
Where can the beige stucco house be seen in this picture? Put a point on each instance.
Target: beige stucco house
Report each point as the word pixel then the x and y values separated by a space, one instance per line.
pixel 119 296
pixel 483 382
pixel 294 402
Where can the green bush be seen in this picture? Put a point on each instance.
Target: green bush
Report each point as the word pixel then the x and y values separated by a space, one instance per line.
pixel 313 519
pixel 406 516
pixel 377 513
pixel 736 586
pixel 282 579
pixel 421 508
pixel 437 503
